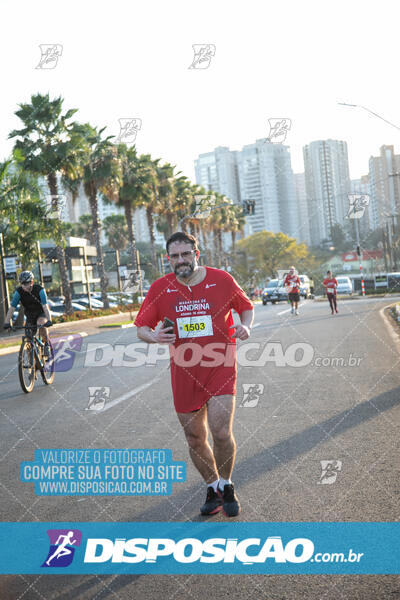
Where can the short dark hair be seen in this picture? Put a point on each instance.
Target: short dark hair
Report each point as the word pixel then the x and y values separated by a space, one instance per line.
pixel 180 236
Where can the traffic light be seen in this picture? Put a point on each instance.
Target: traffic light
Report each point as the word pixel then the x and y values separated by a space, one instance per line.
pixel 249 207
pixel 358 251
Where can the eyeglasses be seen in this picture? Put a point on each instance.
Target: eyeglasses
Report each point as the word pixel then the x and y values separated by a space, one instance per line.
pixel 184 255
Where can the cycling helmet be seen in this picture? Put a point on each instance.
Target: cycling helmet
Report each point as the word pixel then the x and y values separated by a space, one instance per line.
pixel 26 277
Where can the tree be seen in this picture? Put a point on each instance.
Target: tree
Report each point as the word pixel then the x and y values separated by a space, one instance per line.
pixel 267 252
pixel 46 147
pixel 100 171
pixel 23 215
pixel 134 189
pixel 116 230
pixel 84 228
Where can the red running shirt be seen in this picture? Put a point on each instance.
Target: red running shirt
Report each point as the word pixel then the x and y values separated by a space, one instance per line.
pixel 293 282
pixel 203 358
pixel 331 285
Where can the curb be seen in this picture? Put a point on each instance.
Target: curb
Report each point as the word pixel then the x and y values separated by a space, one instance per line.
pixel 12 349
pixel 390 326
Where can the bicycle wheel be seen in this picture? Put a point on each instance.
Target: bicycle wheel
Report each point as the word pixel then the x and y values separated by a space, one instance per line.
pixel 47 372
pixel 26 366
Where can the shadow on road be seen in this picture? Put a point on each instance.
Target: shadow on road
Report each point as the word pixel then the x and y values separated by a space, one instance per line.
pixel 248 469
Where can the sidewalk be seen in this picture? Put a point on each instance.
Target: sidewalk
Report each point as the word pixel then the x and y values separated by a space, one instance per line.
pixel 356 296
pixel 11 343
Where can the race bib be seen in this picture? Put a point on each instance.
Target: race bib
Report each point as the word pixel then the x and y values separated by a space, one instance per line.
pixel 331 290
pixel 194 326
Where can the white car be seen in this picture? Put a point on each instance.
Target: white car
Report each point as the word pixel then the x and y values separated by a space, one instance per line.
pixel 344 286
pixel 304 286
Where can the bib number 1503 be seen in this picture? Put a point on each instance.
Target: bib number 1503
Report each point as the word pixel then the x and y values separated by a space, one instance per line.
pixel 194 326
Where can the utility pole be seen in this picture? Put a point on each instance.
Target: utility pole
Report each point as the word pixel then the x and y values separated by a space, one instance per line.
pixel 139 273
pixel 40 263
pixel 118 263
pixel 85 263
pixel 360 258
pixel 6 298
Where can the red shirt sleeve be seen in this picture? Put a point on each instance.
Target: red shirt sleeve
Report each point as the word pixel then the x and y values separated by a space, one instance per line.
pixel 148 313
pixel 240 301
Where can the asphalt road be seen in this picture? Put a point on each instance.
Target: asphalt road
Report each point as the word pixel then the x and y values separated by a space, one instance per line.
pixel 326 409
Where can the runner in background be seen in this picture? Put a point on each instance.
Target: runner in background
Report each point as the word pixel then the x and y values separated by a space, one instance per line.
pixel 292 284
pixel 330 284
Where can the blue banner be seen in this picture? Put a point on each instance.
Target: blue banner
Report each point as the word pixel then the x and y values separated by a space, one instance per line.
pixel 173 548
pixel 103 472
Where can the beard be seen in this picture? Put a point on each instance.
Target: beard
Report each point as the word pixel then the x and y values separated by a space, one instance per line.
pixel 184 270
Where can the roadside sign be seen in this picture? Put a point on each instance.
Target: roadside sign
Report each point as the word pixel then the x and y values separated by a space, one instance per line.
pixel 11 266
pixel 47 273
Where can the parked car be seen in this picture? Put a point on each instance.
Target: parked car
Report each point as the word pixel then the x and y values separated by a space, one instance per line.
pixel 279 294
pixel 344 285
pixel 58 308
pixel 267 291
pixel 305 286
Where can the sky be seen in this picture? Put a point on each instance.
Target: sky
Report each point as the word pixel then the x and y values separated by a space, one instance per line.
pixel 287 59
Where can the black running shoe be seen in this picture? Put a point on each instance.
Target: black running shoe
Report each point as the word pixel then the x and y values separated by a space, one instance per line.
pixel 213 503
pixel 231 504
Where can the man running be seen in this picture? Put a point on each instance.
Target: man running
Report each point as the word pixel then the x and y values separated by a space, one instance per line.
pixel 330 284
pixel 33 298
pixel 203 359
pixel 292 284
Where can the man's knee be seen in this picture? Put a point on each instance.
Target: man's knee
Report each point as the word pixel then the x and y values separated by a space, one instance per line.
pixel 222 435
pixel 195 439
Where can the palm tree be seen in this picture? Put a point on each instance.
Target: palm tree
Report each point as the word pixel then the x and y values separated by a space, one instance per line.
pixel 167 220
pixel 47 149
pixel 100 171
pixel 84 228
pixel 134 189
pixel 23 217
pixel 238 222
pixel 116 230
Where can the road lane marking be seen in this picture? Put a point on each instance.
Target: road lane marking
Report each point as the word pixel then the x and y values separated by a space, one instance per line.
pixel 288 310
pixel 130 394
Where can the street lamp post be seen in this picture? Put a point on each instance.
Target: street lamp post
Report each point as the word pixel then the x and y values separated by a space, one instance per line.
pixel 369 111
pixel 360 258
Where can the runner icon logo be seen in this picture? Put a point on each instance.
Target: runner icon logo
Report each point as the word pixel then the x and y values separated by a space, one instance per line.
pixel 330 469
pixel 357 205
pixel 128 129
pixel 251 394
pixel 278 129
pixel 62 547
pixel 203 54
pixel 50 54
pixel 98 396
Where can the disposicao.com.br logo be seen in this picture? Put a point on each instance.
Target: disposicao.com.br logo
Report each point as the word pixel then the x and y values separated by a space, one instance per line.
pixel 191 550
pixel 197 548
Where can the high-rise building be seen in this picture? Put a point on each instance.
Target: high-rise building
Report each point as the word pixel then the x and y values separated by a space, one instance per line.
pixel 217 171
pixel 260 172
pixel 384 175
pixel 265 176
pixel 326 169
pixel 304 222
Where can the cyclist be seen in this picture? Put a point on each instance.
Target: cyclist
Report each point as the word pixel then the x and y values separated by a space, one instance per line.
pixel 33 298
pixel 292 284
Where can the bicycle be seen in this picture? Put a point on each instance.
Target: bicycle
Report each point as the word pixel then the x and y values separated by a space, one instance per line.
pixel 31 359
